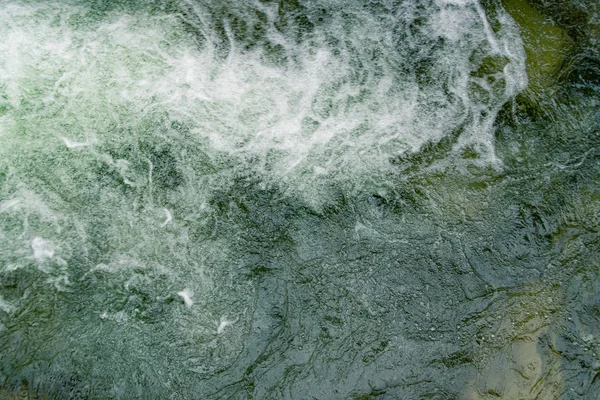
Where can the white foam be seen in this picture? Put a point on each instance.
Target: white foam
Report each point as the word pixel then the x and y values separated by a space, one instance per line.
pixel 168 218
pixel 252 110
pixel 224 323
pixel 121 317
pixel 8 204
pixel 186 295
pixel 75 145
pixel 42 249
pixel 59 282
pixel 26 202
pixel 4 306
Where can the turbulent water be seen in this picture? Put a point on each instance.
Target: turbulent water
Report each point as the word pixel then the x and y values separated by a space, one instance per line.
pixel 307 200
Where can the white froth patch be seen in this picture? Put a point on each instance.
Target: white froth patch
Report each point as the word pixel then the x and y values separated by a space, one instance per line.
pixel 121 317
pixel 304 123
pixel 75 145
pixel 42 249
pixel 4 306
pixel 26 203
pixel 186 295
pixel 224 323
pixel 59 282
pixel 168 218
pixel 453 19
pixel 8 204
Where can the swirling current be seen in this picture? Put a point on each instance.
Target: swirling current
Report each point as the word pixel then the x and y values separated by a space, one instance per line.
pixel 284 199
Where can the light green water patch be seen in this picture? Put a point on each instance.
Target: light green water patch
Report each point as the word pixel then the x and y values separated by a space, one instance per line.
pixel 519 362
pixel 546 45
pixel 578 17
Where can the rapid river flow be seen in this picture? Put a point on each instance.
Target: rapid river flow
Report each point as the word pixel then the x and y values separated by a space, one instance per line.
pixel 320 199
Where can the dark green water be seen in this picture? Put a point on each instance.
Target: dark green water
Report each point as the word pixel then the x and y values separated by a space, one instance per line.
pixel 300 200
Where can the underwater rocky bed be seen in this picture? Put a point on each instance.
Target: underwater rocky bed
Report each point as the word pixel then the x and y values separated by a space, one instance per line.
pixel 320 199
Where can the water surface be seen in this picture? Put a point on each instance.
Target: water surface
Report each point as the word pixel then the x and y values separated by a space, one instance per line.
pixel 322 199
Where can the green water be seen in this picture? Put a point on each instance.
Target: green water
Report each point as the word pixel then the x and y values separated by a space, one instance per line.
pixel 299 200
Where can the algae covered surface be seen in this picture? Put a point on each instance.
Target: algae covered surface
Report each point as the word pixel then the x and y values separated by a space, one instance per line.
pixel 305 200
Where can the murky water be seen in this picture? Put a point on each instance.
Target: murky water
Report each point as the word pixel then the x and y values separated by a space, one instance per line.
pixel 321 199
